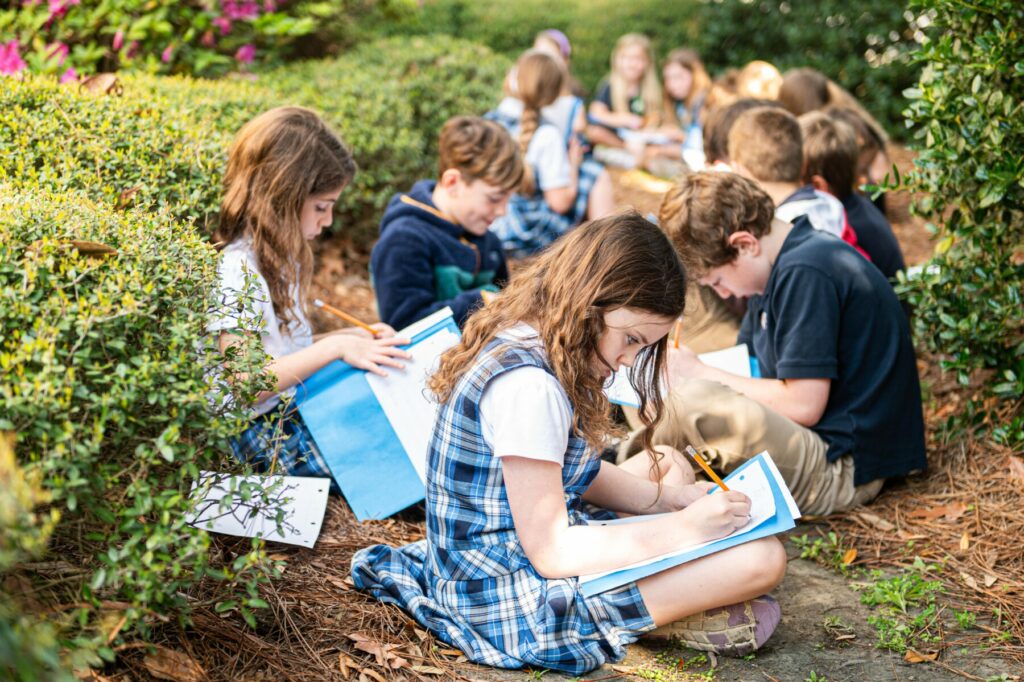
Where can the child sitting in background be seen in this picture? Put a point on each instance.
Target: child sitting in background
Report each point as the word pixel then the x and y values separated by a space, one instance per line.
pixel 558 190
pixel 285 171
pixel 765 145
pixel 514 473
pixel 686 87
pixel 718 126
pixel 804 90
pixel 435 248
pixel 627 109
pixel 872 161
pixel 568 112
pixel 830 162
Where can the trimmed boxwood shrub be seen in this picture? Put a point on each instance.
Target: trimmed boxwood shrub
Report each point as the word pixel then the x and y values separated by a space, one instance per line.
pixel 105 381
pixel 968 118
pixel 163 143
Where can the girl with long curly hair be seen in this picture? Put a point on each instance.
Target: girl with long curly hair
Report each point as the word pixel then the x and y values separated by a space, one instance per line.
pixel 285 171
pixel 514 474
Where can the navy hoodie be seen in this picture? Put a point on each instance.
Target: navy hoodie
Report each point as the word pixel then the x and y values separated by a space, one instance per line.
pixel 423 262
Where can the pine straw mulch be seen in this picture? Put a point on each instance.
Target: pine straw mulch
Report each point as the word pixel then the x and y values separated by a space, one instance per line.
pixel 966 511
pixel 964 515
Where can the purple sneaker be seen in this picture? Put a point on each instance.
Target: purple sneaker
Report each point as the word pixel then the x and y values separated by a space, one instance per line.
pixel 734 630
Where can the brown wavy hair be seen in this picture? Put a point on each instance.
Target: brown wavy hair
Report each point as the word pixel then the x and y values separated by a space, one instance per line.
pixel 480 150
pixel 539 81
pixel 621 261
pixel 277 161
pixel 701 210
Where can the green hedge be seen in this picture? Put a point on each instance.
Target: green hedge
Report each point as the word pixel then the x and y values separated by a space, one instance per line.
pixel 968 117
pixel 104 381
pixel 833 36
pixel 163 143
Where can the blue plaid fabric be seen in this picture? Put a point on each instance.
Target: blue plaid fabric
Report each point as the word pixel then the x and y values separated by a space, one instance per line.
pixel 470 582
pixel 530 224
pixel 280 440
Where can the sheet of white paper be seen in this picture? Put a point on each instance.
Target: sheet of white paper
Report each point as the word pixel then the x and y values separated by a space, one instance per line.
pixel 735 360
pixel 753 482
pixel 403 396
pixel 303 500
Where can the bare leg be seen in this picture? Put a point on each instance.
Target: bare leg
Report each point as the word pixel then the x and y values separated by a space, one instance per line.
pixel 601 201
pixel 727 577
pixel 600 135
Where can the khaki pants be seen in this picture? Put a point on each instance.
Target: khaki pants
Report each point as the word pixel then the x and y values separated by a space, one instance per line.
pixel 708 324
pixel 729 428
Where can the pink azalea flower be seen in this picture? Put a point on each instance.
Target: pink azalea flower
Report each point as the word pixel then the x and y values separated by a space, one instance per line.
pixel 240 9
pixel 208 40
pixel 224 24
pixel 59 8
pixel 58 50
pixel 167 54
pixel 10 58
pixel 269 5
pixel 246 53
pixel 133 49
pixel 118 40
pixel 69 75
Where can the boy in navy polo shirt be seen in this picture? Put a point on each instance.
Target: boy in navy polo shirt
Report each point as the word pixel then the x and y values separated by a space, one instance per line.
pixel 839 403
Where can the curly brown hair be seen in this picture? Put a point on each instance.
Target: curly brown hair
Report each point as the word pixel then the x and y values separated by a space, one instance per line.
pixel 702 210
pixel 277 161
pixel 621 261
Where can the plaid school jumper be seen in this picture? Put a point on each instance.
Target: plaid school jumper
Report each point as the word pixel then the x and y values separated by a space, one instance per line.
pixel 469 582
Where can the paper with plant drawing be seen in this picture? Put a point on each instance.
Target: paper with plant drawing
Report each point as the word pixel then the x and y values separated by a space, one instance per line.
pixel 247 506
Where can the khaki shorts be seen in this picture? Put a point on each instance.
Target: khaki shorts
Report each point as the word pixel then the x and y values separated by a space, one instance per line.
pixel 729 428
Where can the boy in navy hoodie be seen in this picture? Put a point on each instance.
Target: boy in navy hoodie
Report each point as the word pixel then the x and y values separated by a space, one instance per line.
pixel 435 249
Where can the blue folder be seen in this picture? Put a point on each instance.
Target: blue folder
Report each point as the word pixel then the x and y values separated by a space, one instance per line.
pixel 781 522
pixel 355 437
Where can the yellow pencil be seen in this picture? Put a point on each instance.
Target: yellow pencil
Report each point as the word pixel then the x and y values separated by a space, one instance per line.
pixel 675 332
pixel 345 316
pixel 707 470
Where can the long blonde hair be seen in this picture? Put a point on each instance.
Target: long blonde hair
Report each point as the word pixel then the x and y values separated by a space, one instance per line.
pixel 650 87
pixel 539 81
pixel 277 161
pixel 622 261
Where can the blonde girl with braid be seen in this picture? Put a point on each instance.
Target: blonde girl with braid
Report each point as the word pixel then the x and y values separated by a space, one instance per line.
pixel 285 171
pixel 558 190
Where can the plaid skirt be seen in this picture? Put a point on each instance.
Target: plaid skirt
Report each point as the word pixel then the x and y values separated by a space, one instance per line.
pixel 280 442
pixel 515 620
pixel 530 224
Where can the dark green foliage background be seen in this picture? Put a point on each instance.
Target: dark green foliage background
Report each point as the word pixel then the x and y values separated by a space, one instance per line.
pixel 968 117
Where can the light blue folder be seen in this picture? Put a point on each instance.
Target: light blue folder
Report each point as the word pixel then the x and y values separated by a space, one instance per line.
pixel 352 432
pixel 781 522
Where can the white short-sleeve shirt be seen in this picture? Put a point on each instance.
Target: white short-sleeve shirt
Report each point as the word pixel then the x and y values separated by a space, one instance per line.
pixel 525 412
pixel 237 265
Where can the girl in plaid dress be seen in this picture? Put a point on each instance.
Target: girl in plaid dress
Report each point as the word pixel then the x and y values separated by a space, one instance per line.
pixel 514 473
pixel 561 188
pixel 285 171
